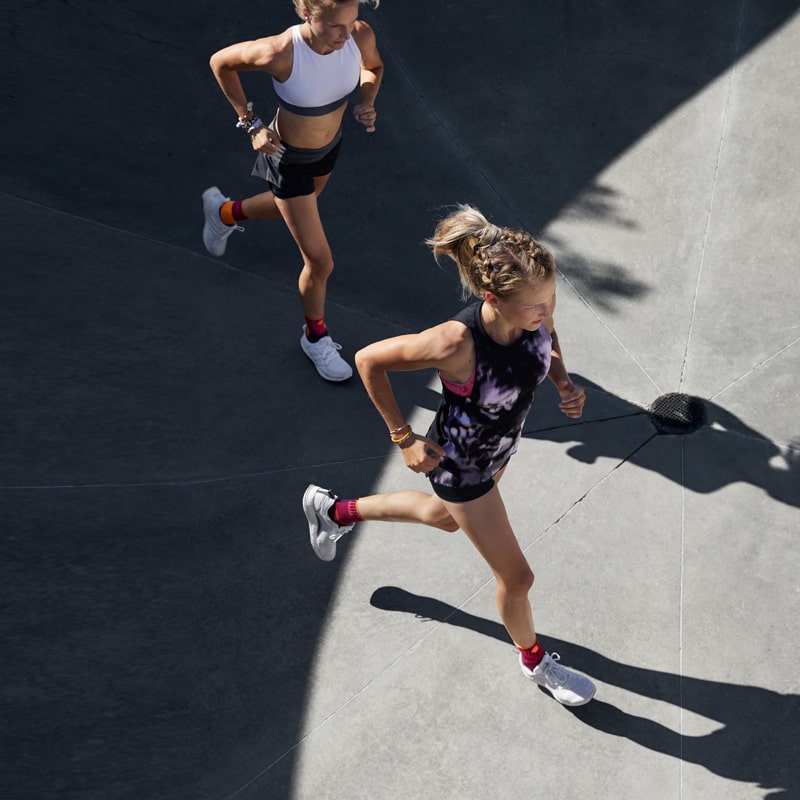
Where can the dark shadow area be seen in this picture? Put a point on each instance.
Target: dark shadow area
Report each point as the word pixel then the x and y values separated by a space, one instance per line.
pixel 754 745
pixel 522 130
pixel 160 422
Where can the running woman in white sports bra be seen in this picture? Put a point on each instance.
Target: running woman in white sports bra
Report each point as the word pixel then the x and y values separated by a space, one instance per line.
pixel 315 66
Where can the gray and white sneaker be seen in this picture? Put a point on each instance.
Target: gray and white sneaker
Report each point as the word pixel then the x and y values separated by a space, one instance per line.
pixel 323 531
pixel 215 231
pixel 325 355
pixel 568 687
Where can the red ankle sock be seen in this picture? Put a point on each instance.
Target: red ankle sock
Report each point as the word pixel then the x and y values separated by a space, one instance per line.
pixel 238 213
pixel 230 212
pixel 531 656
pixel 345 512
pixel 315 329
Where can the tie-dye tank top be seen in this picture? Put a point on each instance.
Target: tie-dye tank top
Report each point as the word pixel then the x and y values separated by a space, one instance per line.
pixel 479 424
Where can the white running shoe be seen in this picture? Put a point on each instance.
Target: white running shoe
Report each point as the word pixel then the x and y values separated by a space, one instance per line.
pixel 325 355
pixel 568 687
pixel 215 231
pixel 324 532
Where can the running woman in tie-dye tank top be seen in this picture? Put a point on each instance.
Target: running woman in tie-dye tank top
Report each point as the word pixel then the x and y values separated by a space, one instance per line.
pixel 490 358
pixel 479 422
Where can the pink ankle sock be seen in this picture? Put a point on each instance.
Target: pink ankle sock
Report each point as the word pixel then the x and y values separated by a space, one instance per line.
pixel 531 656
pixel 345 512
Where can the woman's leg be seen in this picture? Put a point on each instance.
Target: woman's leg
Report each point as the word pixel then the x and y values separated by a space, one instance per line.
pixel 222 215
pixel 329 518
pixel 263 206
pixel 301 215
pixel 260 206
pixel 426 509
pixel 485 522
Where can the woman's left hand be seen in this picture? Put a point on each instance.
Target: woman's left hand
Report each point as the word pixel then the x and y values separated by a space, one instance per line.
pixel 573 398
pixel 265 140
pixel 366 115
pixel 420 453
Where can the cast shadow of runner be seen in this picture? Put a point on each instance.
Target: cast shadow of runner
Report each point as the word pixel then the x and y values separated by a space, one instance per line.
pixel 756 743
pixel 724 450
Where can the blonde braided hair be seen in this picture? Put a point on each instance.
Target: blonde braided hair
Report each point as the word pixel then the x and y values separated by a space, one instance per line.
pixel 490 258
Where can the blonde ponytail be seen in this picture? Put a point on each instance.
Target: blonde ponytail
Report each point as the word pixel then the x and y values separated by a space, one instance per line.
pixel 490 258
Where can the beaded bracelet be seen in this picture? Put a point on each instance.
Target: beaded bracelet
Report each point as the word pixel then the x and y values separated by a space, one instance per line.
pixel 251 125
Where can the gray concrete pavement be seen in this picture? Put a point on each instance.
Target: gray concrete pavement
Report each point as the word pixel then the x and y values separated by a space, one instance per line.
pixel 169 633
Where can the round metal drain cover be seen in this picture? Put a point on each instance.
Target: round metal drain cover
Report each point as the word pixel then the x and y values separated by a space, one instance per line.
pixel 677 413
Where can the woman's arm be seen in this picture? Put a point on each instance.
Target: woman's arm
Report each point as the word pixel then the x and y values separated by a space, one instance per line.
pixel 271 55
pixel 371 74
pixel 446 347
pixel 573 397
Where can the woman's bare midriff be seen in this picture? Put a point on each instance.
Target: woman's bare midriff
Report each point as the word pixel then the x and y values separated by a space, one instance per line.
pixel 308 132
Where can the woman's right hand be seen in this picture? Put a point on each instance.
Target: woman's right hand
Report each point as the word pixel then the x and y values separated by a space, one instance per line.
pixel 421 454
pixel 265 140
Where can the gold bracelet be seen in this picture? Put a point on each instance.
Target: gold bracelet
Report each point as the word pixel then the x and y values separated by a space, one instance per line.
pixel 405 436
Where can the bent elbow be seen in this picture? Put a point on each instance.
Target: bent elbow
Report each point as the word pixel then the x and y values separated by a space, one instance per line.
pixel 217 62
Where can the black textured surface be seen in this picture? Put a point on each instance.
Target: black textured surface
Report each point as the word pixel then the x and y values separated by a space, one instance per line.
pixel 677 413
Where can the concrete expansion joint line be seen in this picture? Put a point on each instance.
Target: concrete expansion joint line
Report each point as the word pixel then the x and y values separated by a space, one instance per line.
pixel 577 502
pixel 142 237
pixel 712 196
pixel 611 333
pixel 755 368
pixel 681 705
pixel 586 422
pixel 186 481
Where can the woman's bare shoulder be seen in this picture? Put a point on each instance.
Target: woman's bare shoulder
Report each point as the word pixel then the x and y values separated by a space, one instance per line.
pixel 453 333
pixel 274 54
pixel 365 38
pixel 362 29
pixel 451 342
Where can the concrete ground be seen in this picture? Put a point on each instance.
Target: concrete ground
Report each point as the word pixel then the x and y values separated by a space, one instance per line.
pixel 169 633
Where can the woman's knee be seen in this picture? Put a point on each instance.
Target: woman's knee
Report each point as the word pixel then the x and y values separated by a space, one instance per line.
pixel 518 581
pixel 319 269
pixel 435 514
pixel 447 523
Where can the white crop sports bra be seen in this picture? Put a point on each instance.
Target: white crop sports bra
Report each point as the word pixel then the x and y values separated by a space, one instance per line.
pixel 318 84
